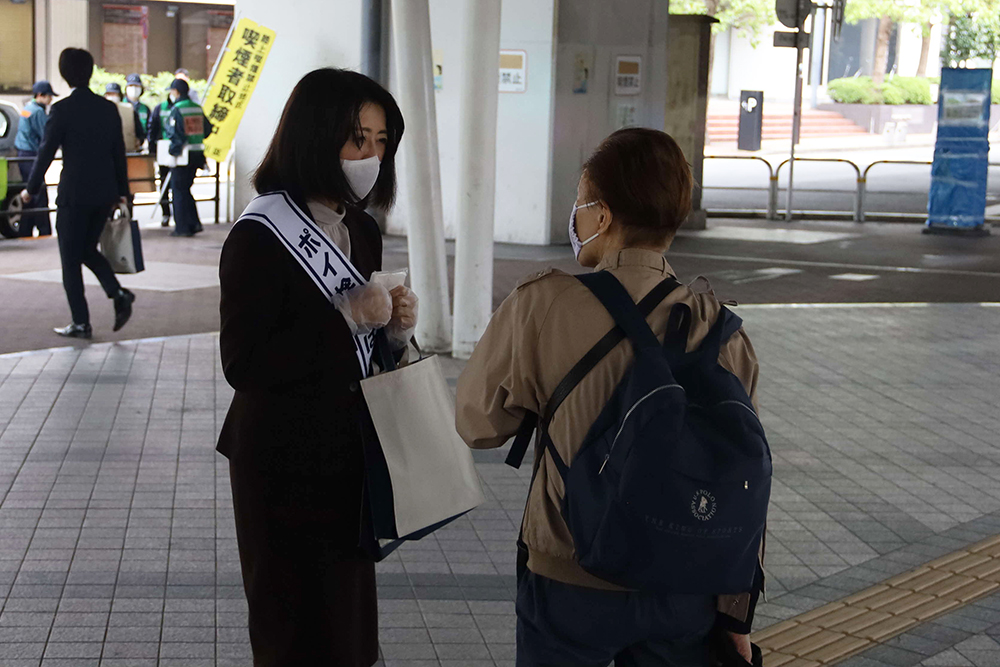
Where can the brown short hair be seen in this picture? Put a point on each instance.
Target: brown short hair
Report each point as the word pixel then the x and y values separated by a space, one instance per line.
pixel 643 177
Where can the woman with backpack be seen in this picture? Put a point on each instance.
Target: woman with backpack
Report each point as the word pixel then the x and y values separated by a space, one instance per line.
pixel 552 350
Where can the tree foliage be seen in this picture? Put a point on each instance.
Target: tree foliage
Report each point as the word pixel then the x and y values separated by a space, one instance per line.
pixel 749 18
pixel 155 85
pixel 971 36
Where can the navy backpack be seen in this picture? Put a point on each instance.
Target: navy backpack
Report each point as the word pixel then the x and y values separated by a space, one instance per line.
pixel 669 491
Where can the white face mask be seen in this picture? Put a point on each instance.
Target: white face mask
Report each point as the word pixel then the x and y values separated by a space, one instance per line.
pixel 361 174
pixel 133 92
pixel 573 238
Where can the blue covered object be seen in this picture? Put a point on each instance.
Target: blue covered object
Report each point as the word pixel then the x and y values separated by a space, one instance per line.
pixel 961 155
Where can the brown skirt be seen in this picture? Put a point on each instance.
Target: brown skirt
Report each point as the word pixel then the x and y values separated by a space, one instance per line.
pixel 312 602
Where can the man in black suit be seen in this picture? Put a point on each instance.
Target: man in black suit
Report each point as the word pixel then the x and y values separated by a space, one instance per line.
pixel 94 179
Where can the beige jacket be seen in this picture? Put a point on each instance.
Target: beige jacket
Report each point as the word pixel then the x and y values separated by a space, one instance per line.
pixel 541 330
pixel 127 113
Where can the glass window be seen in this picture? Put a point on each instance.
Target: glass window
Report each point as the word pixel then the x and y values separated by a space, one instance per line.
pixel 17 45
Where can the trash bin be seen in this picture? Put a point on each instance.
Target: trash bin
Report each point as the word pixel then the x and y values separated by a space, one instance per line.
pixel 751 120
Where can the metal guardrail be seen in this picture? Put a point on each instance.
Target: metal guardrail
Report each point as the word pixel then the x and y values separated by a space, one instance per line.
pixel 215 175
pixel 863 183
pixel 859 213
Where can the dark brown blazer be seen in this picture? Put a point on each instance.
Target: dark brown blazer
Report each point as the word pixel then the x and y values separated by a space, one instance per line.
pixel 290 356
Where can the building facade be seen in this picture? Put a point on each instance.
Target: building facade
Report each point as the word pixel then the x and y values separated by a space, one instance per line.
pixel 148 38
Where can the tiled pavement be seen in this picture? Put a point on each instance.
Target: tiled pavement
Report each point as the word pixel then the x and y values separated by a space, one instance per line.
pixel 116 532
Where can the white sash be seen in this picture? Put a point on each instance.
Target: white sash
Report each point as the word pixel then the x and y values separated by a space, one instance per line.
pixel 322 260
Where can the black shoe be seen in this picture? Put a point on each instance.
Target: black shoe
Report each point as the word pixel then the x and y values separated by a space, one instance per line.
pixel 199 229
pixel 165 221
pixel 186 235
pixel 76 331
pixel 123 308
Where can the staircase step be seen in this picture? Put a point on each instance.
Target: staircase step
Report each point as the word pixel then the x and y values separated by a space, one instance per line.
pixel 815 123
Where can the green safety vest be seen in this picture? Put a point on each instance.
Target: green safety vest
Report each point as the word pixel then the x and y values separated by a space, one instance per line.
pixel 164 117
pixel 143 112
pixel 194 123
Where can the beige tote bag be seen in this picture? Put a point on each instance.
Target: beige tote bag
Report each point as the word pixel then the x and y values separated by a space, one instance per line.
pixel 420 473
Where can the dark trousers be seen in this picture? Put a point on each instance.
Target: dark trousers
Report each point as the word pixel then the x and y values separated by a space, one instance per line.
pixel 79 231
pixel 185 210
pixel 310 601
pixel 165 202
pixel 560 625
pixel 30 221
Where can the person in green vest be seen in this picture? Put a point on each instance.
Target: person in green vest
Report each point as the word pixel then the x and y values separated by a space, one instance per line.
pixel 133 91
pixel 157 130
pixel 186 128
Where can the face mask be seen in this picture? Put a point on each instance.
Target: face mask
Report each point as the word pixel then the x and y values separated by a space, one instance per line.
pixel 173 97
pixel 361 174
pixel 573 238
pixel 133 92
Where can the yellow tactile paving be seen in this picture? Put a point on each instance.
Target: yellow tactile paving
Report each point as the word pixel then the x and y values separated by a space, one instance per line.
pixel 840 629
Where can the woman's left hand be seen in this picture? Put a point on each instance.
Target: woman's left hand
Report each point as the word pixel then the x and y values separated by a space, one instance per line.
pixel 404 309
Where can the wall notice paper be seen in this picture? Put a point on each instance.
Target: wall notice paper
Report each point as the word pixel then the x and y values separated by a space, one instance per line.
pixel 438 56
pixel 628 75
pixel 513 71
pixel 236 74
pixel 962 107
pixel 582 65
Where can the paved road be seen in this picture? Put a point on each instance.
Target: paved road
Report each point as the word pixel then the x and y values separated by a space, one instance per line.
pixel 788 263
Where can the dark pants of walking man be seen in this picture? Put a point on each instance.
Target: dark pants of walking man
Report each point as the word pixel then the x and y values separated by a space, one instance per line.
pixel 165 202
pixel 185 210
pixel 29 221
pixel 79 231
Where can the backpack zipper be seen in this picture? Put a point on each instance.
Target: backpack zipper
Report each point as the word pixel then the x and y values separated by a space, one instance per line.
pixel 629 414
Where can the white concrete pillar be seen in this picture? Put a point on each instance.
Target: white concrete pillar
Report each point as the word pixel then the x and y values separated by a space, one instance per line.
pixel 309 34
pixel 476 175
pixel 59 24
pixel 420 177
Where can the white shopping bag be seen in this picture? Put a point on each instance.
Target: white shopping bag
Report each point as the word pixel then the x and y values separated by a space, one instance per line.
pixel 165 159
pixel 420 473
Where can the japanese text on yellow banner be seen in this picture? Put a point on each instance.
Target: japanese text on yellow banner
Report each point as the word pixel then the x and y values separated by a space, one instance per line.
pixel 239 67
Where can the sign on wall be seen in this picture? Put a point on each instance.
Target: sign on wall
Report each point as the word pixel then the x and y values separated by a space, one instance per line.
pixel 438 58
pixel 628 75
pixel 236 75
pixel 582 65
pixel 513 71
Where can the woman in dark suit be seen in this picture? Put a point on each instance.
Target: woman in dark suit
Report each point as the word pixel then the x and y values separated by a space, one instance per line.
pixel 293 346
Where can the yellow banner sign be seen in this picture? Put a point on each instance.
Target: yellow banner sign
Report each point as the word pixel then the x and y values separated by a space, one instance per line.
pixel 240 65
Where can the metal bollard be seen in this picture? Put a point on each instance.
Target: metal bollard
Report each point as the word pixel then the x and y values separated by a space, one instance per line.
pixel 772 199
pixel 859 200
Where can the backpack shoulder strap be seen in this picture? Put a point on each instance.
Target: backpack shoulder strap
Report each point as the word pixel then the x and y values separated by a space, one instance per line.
pixel 726 325
pixel 618 302
pixel 581 369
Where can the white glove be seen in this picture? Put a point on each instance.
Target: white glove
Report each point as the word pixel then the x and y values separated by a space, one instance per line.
pixel 404 316
pixel 366 308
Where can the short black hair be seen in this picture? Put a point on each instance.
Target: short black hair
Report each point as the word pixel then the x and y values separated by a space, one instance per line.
pixel 76 66
pixel 642 176
pixel 322 114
